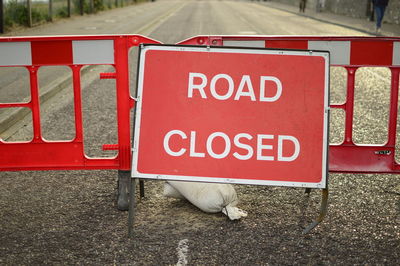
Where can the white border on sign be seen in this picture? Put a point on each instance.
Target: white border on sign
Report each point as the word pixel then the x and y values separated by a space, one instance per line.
pixel 135 149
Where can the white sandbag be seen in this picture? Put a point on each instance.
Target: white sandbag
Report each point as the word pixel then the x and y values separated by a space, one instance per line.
pixel 209 197
pixel 171 192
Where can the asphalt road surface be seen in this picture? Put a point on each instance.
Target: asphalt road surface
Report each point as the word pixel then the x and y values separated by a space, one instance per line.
pixel 70 217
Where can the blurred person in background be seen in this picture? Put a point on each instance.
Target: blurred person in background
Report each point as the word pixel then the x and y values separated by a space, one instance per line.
pixel 379 6
pixel 302 5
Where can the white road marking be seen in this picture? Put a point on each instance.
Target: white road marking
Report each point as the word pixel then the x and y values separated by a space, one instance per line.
pixel 155 23
pixel 182 250
pixel 247 32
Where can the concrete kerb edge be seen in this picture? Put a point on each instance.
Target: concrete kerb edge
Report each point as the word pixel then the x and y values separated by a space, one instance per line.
pixel 323 20
pixel 11 117
pixel 339 24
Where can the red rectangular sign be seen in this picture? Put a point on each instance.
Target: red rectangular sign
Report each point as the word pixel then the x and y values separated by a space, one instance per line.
pixel 237 115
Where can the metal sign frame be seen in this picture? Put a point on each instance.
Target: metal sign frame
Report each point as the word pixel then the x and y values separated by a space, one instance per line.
pixel 240 50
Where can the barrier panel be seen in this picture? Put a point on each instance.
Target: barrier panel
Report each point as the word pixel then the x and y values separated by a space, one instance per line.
pixel 352 53
pixel 74 52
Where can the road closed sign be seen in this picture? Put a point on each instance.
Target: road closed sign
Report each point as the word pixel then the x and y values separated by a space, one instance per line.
pixel 232 115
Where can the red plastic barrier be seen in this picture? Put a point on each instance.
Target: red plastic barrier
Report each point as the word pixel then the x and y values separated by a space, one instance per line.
pixel 32 53
pixel 350 53
pixel 74 52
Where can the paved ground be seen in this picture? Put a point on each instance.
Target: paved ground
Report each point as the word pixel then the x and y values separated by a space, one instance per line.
pixel 63 217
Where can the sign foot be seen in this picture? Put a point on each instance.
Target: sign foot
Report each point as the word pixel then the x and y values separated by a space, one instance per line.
pixel 322 212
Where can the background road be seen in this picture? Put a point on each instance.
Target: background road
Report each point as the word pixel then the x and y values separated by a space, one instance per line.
pixel 71 217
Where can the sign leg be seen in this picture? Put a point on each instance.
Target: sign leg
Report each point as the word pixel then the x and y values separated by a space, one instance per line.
pixel 132 205
pixel 141 186
pixel 322 212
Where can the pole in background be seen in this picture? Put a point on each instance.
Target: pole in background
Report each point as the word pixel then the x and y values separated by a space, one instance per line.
pixel 81 6
pixel 1 17
pixel 370 11
pixel 69 8
pixel 91 4
pixel 29 6
pixel 51 10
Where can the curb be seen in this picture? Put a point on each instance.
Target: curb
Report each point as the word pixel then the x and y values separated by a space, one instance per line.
pixel 324 20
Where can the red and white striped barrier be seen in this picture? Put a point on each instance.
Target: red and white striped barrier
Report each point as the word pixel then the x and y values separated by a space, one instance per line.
pixel 73 52
pixel 343 51
pixel 76 51
pixel 66 52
